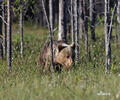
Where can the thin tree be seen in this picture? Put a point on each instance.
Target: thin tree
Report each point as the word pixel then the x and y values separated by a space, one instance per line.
pixel 1 35
pixel 92 19
pixel 72 22
pixel 9 38
pixel 75 27
pixel 107 36
pixel 62 20
pixel 77 33
pixel 81 19
pixel 85 14
pixel 4 14
pixel 50 30
pixel 66 18
pixel 21 28
pixel 118 11
pixel 118 19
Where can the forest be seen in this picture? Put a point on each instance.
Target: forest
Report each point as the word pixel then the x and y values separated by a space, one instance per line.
pixel 59 49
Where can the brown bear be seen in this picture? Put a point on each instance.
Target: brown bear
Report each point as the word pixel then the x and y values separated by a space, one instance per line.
pixel 62 53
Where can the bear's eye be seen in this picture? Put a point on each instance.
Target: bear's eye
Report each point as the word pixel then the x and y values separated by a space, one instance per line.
pixel 68 56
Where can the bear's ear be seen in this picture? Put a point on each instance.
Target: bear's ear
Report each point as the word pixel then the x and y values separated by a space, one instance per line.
pixel 72 45
pixel 61 47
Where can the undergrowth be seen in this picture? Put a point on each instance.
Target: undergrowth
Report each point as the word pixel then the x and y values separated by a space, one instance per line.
pixel 84 81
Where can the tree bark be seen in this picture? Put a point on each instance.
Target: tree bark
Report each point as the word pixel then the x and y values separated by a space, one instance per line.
pixel 9 38
pixel 4 30
pixel 118 11
pixel 77 33
pixel 107 36
pixel 81 19
pixel 21 29
pixel 51 30
pixel 1 35
pixel 85 11
pixel 75 27
pixel 92 19
pixel 72 23
pixel 50 27
pixel 62 20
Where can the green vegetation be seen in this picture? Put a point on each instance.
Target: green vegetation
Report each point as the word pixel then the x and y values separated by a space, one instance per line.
pixel 85 81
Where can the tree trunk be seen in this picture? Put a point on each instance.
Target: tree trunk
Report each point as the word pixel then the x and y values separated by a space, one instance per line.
pixel 4 30
pixel 51 30
pixel 1 35
pixel 9 45
pixel 50 27
pixel 107 36
pixel 72 23
pixel 75 27
pixel 85 11
pixel 62 20
pixel 118 12
pixel 72 29
pixel 21 29
pixel 81 19
pixel 92 19
pixel 118 17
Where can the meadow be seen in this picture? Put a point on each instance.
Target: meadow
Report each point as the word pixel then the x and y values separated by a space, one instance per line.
pixel 84 81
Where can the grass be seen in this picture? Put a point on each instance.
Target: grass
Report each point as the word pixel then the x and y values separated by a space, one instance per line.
pixel 85 81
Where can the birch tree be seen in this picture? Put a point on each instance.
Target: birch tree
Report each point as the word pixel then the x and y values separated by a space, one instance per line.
pixel 9 42
pixel 75 27
pixel 72 22
pixel 92 19
pixel 62 20
pixel 1 35
pixel 50 27
pixel 81 19
pixel 85 11
pixel 21 28
pixel 118 20
pixel 77 31
pixel 107 36
pixel 4 14
pixel 118 11
pixel 51 30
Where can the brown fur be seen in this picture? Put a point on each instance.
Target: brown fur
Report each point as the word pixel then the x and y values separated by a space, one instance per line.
pixel 62 55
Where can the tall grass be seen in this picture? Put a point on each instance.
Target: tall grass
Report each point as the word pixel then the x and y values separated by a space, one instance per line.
pixel 84 81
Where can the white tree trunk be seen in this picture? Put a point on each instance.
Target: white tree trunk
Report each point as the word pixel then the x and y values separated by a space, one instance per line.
pixel 72 22
pixel 61 19
pixel 107 36
pixel 1 47
pixel 63 7
pixel 9 37
pixel 118 12
pixel 51 30
pixel 75 28
pixel 81 19
pixel 4 30
pixel 72 28
pixel 21 29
